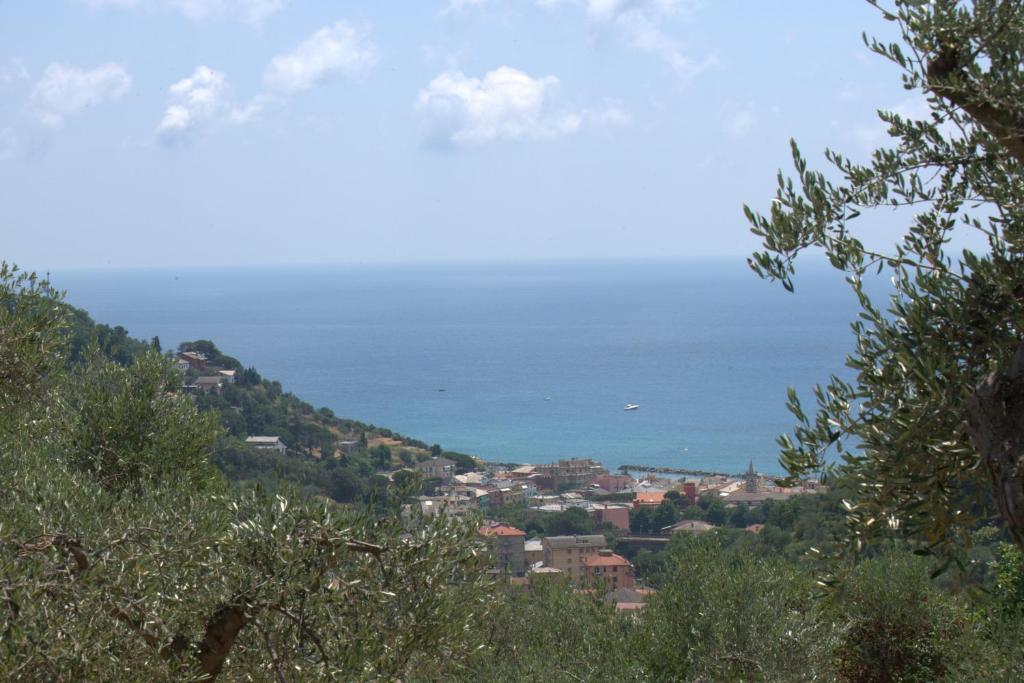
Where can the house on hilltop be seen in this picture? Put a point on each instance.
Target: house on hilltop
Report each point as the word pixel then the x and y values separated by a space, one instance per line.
pixel 195 360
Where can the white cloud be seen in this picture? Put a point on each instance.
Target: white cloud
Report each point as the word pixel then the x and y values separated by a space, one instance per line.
pixel 205 97
pixel 196 101
pixel 253 12
pixel 740 123
pixel 638 23
pixel 14 71
pixel 65 90
pixel 338 49
pixel 505 104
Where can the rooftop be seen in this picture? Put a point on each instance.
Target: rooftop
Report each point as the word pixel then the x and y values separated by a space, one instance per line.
pixel 694 525
pixel 437 461
pixel 605 560
pixel 650 497
pixel 500 530
pixel 263 439
pixel 760 496
pixel 557 542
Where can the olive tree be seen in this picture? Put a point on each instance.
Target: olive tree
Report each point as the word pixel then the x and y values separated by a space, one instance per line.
pixel 930 430
pixel 125 556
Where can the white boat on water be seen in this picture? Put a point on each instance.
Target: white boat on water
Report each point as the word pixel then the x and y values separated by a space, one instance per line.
pixel 631 406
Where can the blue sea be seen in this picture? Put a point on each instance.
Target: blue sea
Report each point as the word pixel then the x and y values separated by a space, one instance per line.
pixel 536 360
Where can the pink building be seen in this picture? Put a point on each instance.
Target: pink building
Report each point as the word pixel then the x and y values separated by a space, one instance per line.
pixel 616 515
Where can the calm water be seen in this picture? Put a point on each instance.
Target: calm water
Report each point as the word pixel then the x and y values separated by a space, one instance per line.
pixel 705 347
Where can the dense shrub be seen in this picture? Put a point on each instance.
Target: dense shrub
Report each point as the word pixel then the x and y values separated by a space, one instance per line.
pixel 897 625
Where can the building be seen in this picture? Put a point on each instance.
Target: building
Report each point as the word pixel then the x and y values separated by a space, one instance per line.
pixel 182 365
pixel 648 498
pixel 267 442
pixel 534 549
pixel 437 468
pixel 754 499
pixel 607 567
pixel 750 479
pixel 228 375
pixel 509 546
pixel 692 526
pixel 616 515
pixel 690 492
pixel 195 360
pixel 613 483
pixel 540 572
pixel 568 473
pixel 512 495
pixel 522 472
pixel 567 553
pixel 212 383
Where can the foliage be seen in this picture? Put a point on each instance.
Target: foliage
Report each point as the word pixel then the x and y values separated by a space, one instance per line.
pixel 952 319
pixel 721 617
pixel 31 325
pixel 126 558
pixel 896 625
pixel 566 523
pixel 1009 581
pixel 125 425
pixel 552 633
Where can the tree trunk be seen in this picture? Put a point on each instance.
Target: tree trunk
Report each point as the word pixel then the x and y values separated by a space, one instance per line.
pixel 995 424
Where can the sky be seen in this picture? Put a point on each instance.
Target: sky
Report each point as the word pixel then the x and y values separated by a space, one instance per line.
pixel 140 133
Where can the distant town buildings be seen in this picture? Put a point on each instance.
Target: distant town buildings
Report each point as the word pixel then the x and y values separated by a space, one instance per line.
pixel 437 468
pixel 613 483
pixel 568 473
pixel 508 546
pixel 606 567
pixel 534 550
pixel 648 499
pixel 566 553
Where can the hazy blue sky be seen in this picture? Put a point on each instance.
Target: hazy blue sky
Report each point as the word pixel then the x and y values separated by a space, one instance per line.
pixel 186 132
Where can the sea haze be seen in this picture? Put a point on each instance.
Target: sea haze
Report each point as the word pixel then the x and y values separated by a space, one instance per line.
pixel 535 360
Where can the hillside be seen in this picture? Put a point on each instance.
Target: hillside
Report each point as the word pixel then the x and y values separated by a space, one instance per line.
pixel 326 455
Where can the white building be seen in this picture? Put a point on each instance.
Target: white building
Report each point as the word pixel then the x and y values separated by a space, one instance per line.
pixel 267 442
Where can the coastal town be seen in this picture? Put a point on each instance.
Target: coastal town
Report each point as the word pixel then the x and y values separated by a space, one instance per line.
pixel 613 503
pixel 570 518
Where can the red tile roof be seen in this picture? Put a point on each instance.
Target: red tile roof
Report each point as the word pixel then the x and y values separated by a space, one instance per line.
pixel 611 560
pixel 500 530
pixel 650 498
